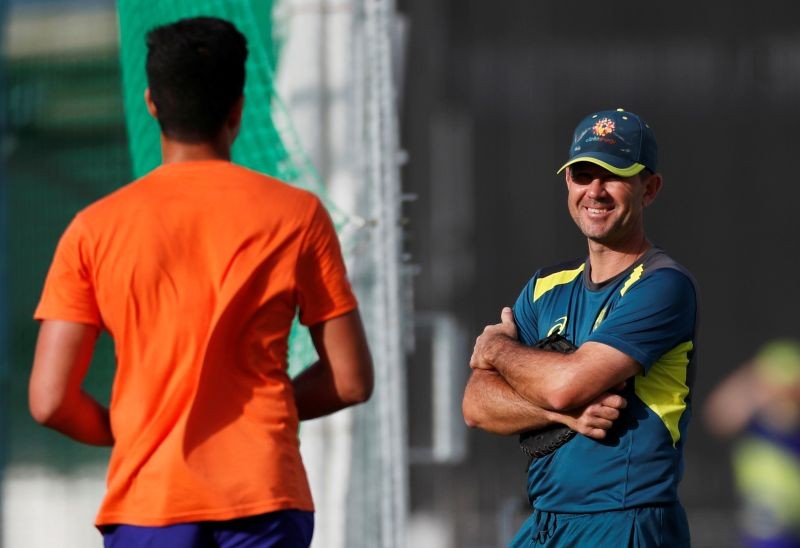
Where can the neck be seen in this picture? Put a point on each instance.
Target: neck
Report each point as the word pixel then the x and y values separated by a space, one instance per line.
pixel 608 261
pixel 173 151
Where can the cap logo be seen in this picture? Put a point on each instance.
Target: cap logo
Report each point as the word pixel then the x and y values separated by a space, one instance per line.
pixel 603 127
pixel 617 139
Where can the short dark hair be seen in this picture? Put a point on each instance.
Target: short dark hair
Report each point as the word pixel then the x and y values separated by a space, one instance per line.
pixel 195 71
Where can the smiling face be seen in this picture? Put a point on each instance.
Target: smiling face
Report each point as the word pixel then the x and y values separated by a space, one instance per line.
pixel 609 208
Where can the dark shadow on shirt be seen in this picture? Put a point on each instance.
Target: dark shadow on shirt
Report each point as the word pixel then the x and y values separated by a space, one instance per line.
pixel 238 362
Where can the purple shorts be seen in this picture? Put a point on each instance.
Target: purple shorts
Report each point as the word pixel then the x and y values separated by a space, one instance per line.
pixel 284 529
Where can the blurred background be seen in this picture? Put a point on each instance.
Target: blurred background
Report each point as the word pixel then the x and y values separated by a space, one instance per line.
pixel 433 130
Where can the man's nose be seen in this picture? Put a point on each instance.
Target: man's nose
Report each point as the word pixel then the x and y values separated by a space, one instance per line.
pixel 596 188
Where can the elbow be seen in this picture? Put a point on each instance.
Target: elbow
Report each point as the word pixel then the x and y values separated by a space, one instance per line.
pixel 563 396
pixel 476 417
pixel 48 403
pixel 475 410
pixel 558 400
pixel 45 410
pixel 359 393
pixel 360 389
pixel 471 413
pixel 471 421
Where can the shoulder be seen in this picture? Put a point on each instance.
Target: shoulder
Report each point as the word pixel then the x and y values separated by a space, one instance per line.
pixel 272 185
pixel 551 277
pixel 545 279
pixel 660 284
pixel 667 286
pixel 100 215
pixel 124 198
pixel 662 270
pixel 115 199
pixel 266 195
pixel 657 259
pixel 548 278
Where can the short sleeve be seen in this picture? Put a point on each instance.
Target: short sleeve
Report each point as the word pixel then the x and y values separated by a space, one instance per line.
pixel 324 291
pixel 69 292
pixel 655 315
pixel 525 315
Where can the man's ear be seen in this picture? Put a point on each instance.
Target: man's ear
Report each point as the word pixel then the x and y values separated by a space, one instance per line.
pixel 652 187
pixel 234 121
pixel 151 106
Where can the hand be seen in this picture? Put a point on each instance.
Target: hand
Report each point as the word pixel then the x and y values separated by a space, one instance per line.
pixel 507 323
pixel 595 419
pixel 486 343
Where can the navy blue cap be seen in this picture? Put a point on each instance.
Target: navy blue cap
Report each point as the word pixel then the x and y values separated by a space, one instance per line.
pixel 616 140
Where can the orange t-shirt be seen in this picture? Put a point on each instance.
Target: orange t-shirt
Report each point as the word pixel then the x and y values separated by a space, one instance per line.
pixel 197 271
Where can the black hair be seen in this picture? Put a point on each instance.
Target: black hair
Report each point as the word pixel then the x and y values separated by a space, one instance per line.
pixel 195 71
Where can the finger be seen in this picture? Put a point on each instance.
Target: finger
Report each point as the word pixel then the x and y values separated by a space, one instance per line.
pixel 610 413
pixel 509 326
pixel 613 400
pixel 603 424
pixel 595 433
pixel 477 362
pixel 603 411
pixel 476 348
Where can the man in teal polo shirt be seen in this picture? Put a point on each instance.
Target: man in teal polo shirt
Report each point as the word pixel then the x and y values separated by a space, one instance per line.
pixel 631 310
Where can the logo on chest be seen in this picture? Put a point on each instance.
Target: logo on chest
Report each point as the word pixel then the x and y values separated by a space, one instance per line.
pixel 559 327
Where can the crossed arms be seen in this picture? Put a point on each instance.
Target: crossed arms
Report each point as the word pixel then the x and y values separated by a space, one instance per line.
pixel 514 388
pixel 341 377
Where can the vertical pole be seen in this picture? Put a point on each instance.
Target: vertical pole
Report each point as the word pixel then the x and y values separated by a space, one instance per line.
pixel 383 154
pixel 4 396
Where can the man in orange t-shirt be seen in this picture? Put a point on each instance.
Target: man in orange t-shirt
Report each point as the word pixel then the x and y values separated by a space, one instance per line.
pixel 197 271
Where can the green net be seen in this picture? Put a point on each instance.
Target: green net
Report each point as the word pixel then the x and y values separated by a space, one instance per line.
pixel 266 142
pixel 70 122
pixel 78 130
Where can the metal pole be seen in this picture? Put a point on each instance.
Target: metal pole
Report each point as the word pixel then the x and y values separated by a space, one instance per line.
pixel 383 154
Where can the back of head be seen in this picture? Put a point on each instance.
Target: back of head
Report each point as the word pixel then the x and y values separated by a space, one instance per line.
pixel 195 71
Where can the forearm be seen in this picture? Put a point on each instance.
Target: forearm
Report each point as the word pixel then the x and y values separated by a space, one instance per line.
pixel 535 375
pixel 491 404
pixel 55 397
pixel 560 382
pixel 83 419
pixel 316 393
pixel 342 376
